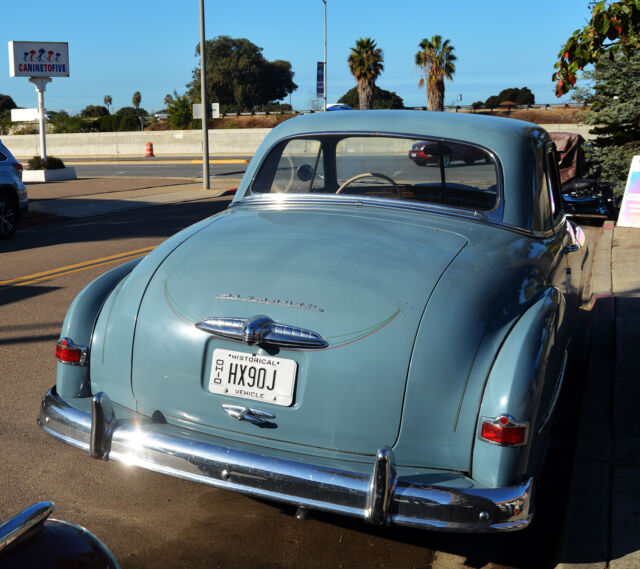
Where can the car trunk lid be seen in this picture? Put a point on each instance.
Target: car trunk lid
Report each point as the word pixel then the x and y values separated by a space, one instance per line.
pixel 360 282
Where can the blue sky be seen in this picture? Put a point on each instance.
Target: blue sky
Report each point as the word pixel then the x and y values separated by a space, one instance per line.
pixel 119 47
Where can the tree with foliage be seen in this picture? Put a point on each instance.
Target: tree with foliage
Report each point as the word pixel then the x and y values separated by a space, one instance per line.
pixel 436 61
pixel 381 99
pixel 108 101
pixel 179 110
pixel 136 99
pixel 614 28
pixel 124 111
pixel 94 111
pixel 519 96
pixel 615 116
pixel 7 103
pixel 365 64
pixel 239 77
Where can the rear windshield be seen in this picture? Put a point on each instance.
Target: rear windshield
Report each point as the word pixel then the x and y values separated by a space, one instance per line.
pixel 415 169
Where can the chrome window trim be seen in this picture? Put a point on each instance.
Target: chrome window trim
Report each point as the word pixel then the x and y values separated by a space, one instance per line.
pixel 495 213
pixel 286 200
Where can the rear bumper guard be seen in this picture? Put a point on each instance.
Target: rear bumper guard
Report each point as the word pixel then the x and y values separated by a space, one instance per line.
pixel 379 496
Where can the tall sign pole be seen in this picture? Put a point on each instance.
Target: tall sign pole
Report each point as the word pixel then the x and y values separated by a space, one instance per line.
pixel 39 61
pixel 41 87
pixel 325 55
pixel 203 99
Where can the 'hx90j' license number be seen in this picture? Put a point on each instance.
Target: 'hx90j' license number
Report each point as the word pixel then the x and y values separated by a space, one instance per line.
pixel 253 376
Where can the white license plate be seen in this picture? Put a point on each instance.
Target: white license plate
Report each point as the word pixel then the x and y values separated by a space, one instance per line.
pixel 251 376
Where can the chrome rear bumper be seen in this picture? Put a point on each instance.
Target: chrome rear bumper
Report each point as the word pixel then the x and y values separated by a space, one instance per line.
pixel 374 493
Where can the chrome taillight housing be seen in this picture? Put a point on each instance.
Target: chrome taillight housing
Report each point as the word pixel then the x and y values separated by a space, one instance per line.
pixel 504 430
pixel 67 352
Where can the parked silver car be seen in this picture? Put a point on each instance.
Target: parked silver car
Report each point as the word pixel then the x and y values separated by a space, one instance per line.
pixel 13 194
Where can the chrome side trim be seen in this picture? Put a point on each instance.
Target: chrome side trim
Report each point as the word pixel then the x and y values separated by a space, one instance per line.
pixel 556 393
pixel 19 525
pixel 375 493
pixel 261 330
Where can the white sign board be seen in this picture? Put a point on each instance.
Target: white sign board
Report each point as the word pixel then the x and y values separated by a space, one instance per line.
pixel 24 115
pixel 38 59
pixel 214 113
pixel 629 215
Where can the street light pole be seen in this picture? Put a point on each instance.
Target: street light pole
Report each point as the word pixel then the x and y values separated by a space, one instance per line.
pixel 324 67
pixel 203 100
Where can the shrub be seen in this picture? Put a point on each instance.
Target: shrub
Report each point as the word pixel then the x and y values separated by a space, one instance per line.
pixel 51 163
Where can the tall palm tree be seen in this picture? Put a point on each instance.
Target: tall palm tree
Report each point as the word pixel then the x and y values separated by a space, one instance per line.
pixel 107 101
pixel 365 64
pixel 436 61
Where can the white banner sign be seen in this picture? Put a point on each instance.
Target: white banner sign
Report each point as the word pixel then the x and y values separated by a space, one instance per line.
pixel 24 115
pixel 38 59
pixel 629 215
pixel 214 112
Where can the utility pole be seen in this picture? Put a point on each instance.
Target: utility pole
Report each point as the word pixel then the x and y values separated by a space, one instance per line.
pixel 203 100
pixel 324 68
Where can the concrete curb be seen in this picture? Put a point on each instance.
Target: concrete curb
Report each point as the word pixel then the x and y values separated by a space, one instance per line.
pixel 586 540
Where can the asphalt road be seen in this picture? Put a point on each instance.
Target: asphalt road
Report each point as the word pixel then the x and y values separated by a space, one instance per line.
pixel 154 521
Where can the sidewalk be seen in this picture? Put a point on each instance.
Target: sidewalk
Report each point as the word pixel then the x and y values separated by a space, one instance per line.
pixel 602 525
pixel 84 197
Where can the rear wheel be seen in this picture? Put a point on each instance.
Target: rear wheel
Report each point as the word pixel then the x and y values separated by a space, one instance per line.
pixel 8 216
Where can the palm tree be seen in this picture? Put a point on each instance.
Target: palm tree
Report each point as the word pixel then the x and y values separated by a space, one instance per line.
pixel 136 99
pixel 436 61
pixel 365 64
pixel 107 101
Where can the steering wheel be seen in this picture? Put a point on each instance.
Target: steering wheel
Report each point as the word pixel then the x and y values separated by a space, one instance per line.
pixel 396 189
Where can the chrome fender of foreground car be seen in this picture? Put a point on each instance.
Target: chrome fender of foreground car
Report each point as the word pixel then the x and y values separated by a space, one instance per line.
pixel 31 539
pixel 354 334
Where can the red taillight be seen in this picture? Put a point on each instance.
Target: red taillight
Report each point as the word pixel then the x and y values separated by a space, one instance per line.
pixel 68 353
pixel 19 169
pixel 504 430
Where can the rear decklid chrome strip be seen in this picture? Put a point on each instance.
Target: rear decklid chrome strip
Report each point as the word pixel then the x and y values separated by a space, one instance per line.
pixel 261 330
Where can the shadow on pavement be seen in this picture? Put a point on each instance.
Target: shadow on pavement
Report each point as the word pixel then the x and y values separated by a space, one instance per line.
pixel 159 221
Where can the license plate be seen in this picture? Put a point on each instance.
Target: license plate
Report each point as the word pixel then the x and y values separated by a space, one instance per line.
pixel 252 376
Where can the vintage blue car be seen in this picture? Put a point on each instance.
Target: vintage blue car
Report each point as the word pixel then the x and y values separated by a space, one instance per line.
pixel 354 334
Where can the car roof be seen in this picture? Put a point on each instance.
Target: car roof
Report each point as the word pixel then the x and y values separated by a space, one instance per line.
pixel 516 145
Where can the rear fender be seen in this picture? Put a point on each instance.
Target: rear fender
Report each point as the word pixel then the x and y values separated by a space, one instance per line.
pixel 73 381
pixel 520 384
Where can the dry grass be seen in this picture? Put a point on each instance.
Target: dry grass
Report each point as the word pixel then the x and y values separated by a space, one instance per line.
pixel 555 115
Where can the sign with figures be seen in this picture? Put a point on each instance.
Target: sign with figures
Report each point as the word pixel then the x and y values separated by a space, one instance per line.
pixel 38 59
pixel 629 215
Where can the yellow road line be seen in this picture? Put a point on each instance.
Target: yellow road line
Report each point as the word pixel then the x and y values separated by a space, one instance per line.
pixel 60 271
pixel 222 161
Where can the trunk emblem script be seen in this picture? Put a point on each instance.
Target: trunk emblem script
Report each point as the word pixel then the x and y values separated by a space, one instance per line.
pixel 261 330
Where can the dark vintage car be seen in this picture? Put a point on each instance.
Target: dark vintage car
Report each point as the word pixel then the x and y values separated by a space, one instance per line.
pixel 353 334
pixel 582 197
pixel 425 152
pixel 31 540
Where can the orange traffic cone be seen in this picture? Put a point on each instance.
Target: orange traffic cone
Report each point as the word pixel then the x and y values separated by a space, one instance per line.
pixel 149 153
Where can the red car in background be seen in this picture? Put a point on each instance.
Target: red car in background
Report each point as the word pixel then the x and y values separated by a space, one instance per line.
pixel 423 153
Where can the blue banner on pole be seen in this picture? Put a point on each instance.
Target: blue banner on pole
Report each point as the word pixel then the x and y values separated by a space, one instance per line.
pixel 320 80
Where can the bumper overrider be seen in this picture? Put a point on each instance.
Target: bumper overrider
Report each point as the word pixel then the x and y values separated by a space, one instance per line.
pixel 374 493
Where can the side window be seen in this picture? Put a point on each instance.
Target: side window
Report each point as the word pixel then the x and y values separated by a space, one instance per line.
pixel 553 185
pixel 2 157
pixel 300 169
